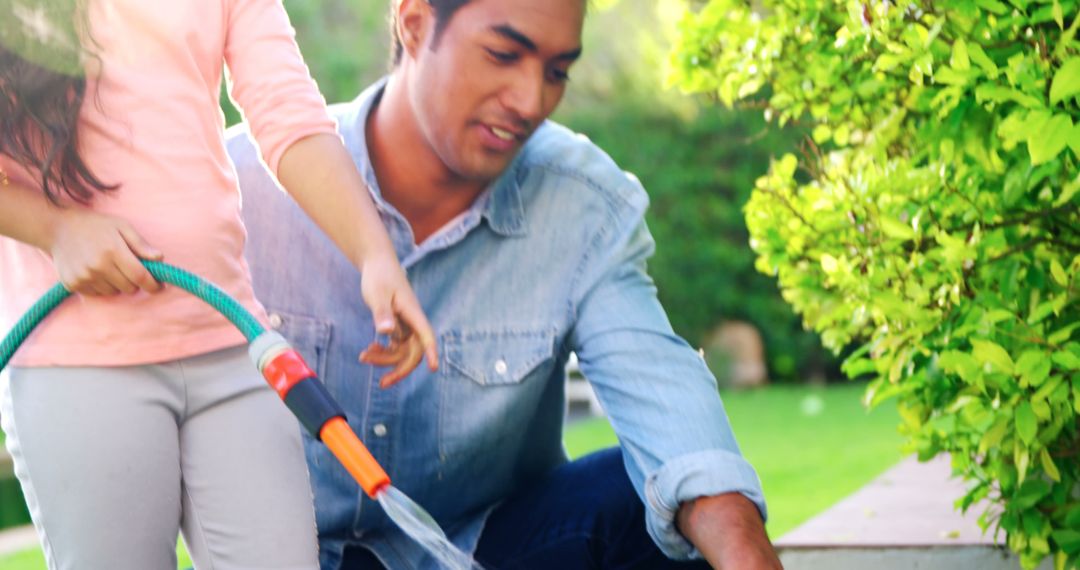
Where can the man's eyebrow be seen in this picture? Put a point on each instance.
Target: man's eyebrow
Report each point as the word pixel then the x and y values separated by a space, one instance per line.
pixel 511 33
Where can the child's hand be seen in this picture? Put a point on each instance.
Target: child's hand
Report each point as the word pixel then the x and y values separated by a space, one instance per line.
pixel 96 254
pixel 396 313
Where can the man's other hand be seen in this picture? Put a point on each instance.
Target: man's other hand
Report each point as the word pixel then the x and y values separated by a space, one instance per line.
pixel 729 532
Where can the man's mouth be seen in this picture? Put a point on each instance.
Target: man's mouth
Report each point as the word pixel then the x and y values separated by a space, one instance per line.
pixel 503 134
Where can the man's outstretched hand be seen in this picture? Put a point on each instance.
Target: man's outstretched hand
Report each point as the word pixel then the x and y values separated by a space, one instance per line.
pixel 403 352
pixel 728 531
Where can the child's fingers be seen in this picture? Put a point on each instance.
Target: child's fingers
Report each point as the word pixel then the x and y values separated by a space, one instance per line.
pixel 137 275
pixel 120 277
pixel 383 315
pixel 130 266
pixel 102 288
pixel 138 245
pixel 96 281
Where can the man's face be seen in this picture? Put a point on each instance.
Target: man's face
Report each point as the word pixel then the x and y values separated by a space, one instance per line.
pixel 497 70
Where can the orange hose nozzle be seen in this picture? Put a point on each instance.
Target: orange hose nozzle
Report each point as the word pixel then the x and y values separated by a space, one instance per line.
pixel 351 452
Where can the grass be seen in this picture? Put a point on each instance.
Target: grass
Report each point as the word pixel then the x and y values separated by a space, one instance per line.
pixel 33 559
pixel 810 446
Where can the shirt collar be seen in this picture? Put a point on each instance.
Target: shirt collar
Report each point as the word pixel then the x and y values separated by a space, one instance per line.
pixel 503 209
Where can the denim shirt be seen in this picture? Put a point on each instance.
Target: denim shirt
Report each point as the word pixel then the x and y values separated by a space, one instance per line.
pixel 551 261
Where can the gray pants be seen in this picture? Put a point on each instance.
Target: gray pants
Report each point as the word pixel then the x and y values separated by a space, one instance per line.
pixel 114 462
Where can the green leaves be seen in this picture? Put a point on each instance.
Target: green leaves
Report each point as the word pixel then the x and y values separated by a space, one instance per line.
pixel 992 353
pixel 1058 273
pixel 980 58
pixel 1068 540
pixel 1066 81
pixel 1026 423
pixel 993 6
pixel 933 223
pixel 896 230
pixel 959 60
pixel 1047 141
pixel 1048 465
pixel 1030 493
pixel 1066 360
pixel 962 364
pixel 1033 367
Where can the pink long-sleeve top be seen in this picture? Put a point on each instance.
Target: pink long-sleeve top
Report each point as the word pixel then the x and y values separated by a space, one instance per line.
pixel 152 124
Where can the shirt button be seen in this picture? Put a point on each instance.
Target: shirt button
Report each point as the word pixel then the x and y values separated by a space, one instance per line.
pixel 500 367
pixel 379 429
pixel 275 321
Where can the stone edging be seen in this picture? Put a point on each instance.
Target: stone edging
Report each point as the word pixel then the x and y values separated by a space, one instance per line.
pixel 17 539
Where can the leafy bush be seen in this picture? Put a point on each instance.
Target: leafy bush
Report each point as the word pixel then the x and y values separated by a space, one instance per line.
pixel 934 220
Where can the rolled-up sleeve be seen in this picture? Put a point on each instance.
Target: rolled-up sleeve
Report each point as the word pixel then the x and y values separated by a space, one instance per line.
pixel 269 81
pixel 658 394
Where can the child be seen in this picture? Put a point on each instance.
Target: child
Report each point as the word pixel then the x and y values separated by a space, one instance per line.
pixel 133 411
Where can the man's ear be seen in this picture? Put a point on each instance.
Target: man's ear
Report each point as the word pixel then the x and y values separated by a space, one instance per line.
pixel 414 22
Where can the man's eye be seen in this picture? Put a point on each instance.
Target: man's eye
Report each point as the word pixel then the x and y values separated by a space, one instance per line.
pixel 560 75
pixel 502 56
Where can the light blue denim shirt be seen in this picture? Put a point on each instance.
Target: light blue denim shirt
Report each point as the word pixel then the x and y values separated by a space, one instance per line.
pixel 552 260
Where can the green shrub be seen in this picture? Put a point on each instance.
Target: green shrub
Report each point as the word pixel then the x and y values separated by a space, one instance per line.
pixel 12 506
pixel 937 224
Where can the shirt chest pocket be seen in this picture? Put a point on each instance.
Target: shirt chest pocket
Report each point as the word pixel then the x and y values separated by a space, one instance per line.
pixel 493 358
pixel 490 387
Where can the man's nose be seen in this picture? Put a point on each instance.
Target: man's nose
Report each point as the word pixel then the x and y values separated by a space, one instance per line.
pixel 525 95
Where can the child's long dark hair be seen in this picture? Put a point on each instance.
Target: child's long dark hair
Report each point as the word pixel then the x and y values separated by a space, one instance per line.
pixel 42 89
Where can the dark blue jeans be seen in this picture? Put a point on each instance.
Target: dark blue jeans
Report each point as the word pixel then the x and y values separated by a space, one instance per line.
pixel 585 515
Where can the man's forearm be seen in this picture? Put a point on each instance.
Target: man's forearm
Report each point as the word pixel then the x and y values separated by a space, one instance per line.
pixel 728 531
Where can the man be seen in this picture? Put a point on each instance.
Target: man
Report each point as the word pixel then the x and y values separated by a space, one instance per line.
pixel 524 243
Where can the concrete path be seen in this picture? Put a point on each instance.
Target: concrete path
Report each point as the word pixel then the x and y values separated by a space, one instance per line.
pixel 904 519
pixel 17 539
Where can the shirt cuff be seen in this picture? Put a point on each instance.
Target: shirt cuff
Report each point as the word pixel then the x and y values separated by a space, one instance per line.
pixel 689 477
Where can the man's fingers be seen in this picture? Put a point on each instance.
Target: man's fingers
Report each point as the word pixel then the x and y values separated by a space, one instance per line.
pixel 410 359
pixel 413 316
pixel 379 355
pixel 403 356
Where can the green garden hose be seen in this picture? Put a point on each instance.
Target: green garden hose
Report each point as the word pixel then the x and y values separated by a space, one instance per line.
pixel 281 365
pixel 163 272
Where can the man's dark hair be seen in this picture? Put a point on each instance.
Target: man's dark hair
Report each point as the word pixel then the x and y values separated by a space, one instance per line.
pixel 42 88
pixel 444 9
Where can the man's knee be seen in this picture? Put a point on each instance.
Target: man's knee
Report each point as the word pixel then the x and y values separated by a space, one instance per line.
pixel 606 489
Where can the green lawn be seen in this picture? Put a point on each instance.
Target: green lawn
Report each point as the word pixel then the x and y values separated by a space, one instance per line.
pixel 811 447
